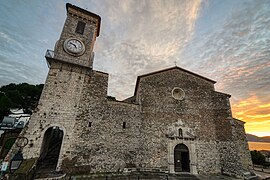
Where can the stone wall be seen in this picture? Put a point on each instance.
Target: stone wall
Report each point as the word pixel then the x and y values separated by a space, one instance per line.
pixel 244 157
pixel 101 143
pixel 160 110
pixel 231 139
pixel 105 135
pixel 57 107
pixel 208 157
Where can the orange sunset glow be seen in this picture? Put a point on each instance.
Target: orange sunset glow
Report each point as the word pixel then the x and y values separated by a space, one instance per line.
pixel 255 113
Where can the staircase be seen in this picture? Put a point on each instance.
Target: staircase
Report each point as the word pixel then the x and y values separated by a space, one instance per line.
pixel 135 176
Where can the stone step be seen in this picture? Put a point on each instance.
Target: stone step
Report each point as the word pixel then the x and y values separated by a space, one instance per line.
pixel 136 176
pixel 48 174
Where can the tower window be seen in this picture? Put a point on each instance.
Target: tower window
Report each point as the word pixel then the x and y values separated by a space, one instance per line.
pixel 180 132
pixel 124 125
pixel 89 124
pixel 80 27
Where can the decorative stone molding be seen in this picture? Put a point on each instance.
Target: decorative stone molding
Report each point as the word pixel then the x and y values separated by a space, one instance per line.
pixel 178 93
pixel 173 131
pixel 191 148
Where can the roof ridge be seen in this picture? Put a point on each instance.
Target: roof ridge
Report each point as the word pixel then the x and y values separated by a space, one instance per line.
pixel 176 67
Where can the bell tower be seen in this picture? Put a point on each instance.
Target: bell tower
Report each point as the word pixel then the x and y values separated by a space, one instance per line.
pixel 51 128
pixel 78 36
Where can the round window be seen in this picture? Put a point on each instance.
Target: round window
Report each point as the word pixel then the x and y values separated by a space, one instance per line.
pixel 178 93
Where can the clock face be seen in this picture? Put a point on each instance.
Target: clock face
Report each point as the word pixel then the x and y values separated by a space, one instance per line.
pixel 74 46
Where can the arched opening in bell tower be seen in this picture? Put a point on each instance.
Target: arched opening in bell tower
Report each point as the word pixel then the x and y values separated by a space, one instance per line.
pixel 50 148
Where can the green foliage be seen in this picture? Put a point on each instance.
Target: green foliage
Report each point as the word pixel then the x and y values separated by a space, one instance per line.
pixel 21 95
pixel 9 143
pixel 257 157
pixel 5 105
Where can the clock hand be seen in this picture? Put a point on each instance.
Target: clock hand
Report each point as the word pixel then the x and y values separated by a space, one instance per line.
pixel 73 44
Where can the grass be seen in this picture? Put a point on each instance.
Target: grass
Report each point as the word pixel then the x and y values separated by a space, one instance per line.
pixel 26 166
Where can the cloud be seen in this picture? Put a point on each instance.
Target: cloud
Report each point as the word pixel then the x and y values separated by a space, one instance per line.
pixel 26 31
pixel 258 128
pixel 264 106
pixel 255 113
pixel 142 37
pixel 227 41
pixel 259 123
pixel 234 50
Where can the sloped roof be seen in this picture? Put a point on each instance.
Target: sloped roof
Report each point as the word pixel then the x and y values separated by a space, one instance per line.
pixel 168 69
pixel 240 121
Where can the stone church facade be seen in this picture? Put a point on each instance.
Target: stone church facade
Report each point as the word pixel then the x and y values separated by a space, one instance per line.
pixel 175 122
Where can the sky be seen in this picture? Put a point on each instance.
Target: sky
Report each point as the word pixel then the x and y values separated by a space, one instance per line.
pixel 227 41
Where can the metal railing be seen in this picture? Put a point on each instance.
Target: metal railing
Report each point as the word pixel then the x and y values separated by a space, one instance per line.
pixel 49 54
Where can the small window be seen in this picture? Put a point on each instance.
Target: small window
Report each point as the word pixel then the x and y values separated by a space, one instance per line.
pixel 80 27
pixel 89 124
pixel 124 125
pixel 178 93
pixel 180 132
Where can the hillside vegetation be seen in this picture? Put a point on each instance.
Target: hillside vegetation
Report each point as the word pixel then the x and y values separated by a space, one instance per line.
pixel 22 95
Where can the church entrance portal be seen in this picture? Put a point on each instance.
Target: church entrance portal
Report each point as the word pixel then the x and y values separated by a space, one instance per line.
pixel 181 158
pixel 50 149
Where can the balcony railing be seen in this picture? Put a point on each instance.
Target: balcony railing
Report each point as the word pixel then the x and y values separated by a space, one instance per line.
pixel 49 54
pixel 50 57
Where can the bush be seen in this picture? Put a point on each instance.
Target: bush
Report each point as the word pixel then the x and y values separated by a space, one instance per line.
pixel 257 157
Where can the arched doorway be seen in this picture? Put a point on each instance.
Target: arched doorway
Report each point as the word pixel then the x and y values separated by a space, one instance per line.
pixel 50 148
pixel 181 158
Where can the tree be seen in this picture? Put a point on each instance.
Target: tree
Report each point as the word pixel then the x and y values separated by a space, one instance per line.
pixel 22 95
pixel 5 105
pixel 257 157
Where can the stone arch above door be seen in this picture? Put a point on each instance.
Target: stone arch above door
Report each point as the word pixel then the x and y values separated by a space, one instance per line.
pixel 190 144
pixel 62 128
pixel 181 158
